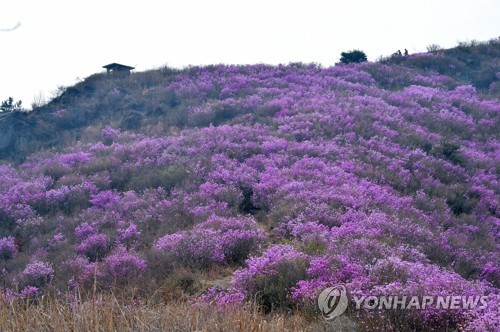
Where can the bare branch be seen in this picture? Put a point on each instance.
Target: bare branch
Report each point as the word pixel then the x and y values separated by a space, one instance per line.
pixel 11 29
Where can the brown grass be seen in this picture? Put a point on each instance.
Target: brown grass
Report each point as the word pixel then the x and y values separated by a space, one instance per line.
pixel 108 314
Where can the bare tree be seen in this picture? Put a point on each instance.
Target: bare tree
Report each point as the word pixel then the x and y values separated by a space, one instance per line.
pixel 38 100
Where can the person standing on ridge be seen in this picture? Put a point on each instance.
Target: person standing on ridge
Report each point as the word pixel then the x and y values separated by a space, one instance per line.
pixel 406 52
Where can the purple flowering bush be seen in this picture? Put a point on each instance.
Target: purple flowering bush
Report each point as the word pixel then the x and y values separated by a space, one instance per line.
pixel 269 278
pixel 122 266
pixel 95 247
pixel 37 274
pixel 7 248
pixel 215 241
pixel 118 269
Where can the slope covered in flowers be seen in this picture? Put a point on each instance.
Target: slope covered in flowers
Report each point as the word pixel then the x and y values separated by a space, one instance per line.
pixel 379 177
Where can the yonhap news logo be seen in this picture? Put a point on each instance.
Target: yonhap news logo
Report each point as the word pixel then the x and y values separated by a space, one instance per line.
pixel 334 301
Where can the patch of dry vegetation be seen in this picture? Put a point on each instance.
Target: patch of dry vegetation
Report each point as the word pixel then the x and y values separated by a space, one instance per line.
pixel 107 313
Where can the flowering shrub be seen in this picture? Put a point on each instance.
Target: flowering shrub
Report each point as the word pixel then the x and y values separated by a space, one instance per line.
pixel 94 247
pixel 122 266
pixel 223 299
pixel 37 274
pixel 483 319
pixel 128 236
pixel 215 241
pixel 270 278
pixel 30 292
pixel 7 248
pixel 109 134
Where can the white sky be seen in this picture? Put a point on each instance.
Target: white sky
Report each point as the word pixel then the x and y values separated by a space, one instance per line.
pixel 62 40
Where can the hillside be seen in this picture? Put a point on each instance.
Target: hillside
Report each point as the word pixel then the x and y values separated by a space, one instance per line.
pixel 141 101
pixel 269 182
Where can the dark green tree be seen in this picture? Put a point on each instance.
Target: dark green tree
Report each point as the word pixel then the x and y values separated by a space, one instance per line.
pixel 9 105
pixel 354 56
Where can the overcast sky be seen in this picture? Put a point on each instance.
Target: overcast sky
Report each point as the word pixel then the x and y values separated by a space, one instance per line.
pixel 59 41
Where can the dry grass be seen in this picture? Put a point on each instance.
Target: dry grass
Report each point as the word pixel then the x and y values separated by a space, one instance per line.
pixel 108 314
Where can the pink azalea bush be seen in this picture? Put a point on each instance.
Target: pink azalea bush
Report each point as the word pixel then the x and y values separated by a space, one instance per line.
pixel 37 274
pixel 7 248
pixel 94 247
pixel 270 278
pixel 123 265
pixel 215 241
